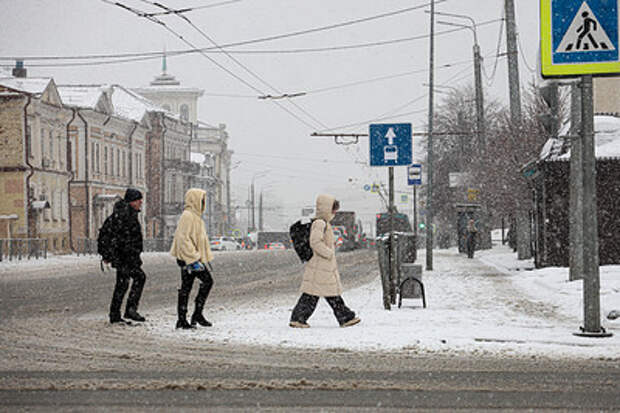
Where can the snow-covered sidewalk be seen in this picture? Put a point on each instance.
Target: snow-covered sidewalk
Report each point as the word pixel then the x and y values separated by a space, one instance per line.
pixel 477 306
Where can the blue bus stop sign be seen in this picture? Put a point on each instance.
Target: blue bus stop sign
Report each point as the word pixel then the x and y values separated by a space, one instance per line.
pixel 390 144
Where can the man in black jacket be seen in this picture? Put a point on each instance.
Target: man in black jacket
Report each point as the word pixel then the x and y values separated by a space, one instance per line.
pixel 128 247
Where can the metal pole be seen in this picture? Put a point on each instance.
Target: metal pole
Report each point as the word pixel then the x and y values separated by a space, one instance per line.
pixel 429 154
pixel 591 280
pixel 415 213
pixel 253 214
pixel 479 99
pixel 260 211
pixel 392 242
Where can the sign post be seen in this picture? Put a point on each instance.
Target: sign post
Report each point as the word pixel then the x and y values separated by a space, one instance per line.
pixel 391 145
pixel 580 38
pixel 414 178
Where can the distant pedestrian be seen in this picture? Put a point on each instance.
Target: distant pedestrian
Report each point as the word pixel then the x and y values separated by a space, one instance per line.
pixel 321 277
pixel 471 233
pixel 127 247
pixel 192 251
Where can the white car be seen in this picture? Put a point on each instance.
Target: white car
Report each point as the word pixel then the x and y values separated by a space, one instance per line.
pixel 224 244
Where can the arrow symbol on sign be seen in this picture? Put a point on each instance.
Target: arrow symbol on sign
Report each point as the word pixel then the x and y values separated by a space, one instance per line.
pixel 390 135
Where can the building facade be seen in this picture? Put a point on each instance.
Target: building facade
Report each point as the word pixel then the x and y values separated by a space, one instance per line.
pixel 35 162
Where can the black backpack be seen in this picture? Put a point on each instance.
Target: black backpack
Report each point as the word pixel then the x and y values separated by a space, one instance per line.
pixel 300 235
pixel 106 241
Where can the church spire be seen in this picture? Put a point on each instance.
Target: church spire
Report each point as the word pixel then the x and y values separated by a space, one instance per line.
pixel 164 66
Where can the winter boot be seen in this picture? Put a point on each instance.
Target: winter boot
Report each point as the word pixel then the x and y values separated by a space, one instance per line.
pixel 351 322
pixel 132 314
pixel 182 312
pixel 298 324
pixel 117 319
pixel 201 298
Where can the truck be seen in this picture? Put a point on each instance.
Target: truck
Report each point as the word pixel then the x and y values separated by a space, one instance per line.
pixel 350 227
pixel 263 238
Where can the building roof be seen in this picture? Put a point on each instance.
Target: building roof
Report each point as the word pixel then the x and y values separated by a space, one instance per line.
pixel 606 140
pixel 30 85
pixel 83 96
pixel 131 105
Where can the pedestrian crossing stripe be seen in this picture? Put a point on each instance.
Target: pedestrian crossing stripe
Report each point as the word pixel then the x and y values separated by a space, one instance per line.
pixel 573 43
pixel 585 33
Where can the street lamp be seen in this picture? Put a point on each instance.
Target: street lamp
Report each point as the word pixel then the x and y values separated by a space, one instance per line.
pixel 477 73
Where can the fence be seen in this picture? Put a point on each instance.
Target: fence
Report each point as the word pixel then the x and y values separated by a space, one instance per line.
pixel 22 248
pixel 84 246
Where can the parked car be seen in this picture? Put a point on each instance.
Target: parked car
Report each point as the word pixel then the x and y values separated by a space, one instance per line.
pixel 275 246
pixel 224 244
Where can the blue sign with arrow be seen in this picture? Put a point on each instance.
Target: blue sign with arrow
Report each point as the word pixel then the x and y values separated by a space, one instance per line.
pixel 390 144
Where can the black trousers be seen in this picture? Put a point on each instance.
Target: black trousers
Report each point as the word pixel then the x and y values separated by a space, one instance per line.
pixel 187 281
pixel 307 304
pixel 123 275
pixel 471 246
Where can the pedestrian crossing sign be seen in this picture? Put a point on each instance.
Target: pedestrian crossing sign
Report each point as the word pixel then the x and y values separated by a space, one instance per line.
pixel 579 37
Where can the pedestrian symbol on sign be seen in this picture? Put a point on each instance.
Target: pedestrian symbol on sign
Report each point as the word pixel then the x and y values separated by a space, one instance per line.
pixel 585 34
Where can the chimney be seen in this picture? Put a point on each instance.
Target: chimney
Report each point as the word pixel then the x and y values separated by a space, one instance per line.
pixel 19 70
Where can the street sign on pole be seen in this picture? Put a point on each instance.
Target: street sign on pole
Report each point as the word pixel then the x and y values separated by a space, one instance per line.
pixel 579 37
pixel 390 144
pixel 414 174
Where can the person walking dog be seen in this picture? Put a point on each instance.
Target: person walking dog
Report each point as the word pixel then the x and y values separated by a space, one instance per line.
pixel 190 247
pixel 321 277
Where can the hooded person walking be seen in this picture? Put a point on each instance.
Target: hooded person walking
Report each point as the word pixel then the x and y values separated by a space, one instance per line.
pixel 321 277
pixel 190 247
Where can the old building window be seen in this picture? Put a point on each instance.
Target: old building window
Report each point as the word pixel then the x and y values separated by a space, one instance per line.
pixel 29 140
pixel 118 162
pixel 112 161
pixel 105 160
pixel 98 161
pixel 51 147
pixel 61 160
pixel 93 158
pixel 124 170
pixel 184 112
pixel 42 142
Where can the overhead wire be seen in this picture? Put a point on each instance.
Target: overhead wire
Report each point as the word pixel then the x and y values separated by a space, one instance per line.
pixel 140 56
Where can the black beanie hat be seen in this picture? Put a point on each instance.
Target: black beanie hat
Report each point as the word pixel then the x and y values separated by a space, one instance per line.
pixel 132 195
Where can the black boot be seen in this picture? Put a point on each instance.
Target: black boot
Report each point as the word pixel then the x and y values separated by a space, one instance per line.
pixel 182 311
pixel 199 318
pixel 132 314
pixel 201 298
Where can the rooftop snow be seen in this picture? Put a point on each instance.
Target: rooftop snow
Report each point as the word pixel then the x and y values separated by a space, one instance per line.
pixel 31 85
pixel 606 139
pixel 84 96
pixel 133 106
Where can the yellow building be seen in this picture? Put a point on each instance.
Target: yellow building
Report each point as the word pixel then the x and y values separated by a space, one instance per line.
pixel 34 162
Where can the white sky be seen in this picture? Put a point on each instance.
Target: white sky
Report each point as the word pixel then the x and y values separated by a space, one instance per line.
pixel 264 136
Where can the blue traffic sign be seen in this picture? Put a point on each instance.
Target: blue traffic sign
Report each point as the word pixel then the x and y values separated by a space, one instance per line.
pixel 390 144
pixel 414 174
pixel 579 37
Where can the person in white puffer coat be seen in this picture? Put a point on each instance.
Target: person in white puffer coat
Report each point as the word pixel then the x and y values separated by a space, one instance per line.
pixel 321 277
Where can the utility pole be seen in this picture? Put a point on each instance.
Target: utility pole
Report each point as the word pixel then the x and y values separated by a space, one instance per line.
pixel 524 250
pixel 392 238
pixel 252 200
pixel 479 99
pixel 260 211
pixel 429 153
pixel 513 62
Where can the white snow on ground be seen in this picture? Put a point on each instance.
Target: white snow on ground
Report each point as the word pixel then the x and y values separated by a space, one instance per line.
pixel 491 305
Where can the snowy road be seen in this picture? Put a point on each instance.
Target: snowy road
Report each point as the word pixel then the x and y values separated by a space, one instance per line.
pixel 484 341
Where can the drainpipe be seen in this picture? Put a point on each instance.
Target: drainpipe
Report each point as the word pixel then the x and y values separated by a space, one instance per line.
pixel 28 144
pixel 71 178
pixel 130 162
pixel 162 181
pixel 86 170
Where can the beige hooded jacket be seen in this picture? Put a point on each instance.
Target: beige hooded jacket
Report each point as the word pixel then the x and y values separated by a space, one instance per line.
pixel 190 242
pixel 321 277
